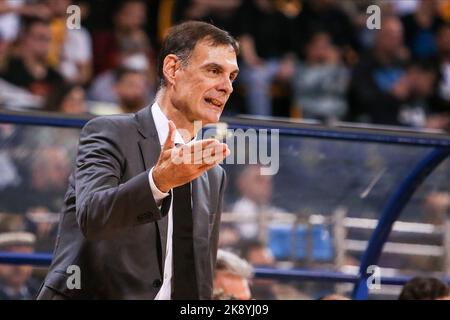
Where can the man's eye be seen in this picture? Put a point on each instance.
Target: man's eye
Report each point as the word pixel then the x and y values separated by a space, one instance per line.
pixel 214 71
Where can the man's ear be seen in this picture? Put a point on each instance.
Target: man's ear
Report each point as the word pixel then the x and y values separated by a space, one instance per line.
pixel 171 65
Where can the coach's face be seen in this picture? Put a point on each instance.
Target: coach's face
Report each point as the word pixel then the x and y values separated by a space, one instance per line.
pixel 202 87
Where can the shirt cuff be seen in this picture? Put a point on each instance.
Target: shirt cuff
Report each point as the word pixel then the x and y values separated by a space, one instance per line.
pixel 157 194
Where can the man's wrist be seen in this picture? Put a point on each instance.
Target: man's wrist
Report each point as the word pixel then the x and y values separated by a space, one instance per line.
pixel 158 183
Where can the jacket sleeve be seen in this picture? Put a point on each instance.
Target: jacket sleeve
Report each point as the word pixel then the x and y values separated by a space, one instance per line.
pixel 104 205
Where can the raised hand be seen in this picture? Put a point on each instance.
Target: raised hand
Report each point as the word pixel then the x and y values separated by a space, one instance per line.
pixel 179 165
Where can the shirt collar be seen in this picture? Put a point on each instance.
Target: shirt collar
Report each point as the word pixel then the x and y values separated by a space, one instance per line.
pixel 162 125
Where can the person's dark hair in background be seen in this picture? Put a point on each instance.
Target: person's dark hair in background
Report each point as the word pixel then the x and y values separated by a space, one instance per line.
pixel 424 288
pixel 185 36
pixel 257 253
pixel 379 84
pixel 326 15
pixel 126 37
pixel 131 86
pixel 29 68
pixel 66 98
pixel 420 27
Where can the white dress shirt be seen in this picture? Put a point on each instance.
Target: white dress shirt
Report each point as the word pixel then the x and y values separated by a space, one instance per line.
pixel 162 127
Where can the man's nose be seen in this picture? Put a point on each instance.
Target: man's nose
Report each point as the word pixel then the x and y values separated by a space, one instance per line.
pixel 226 86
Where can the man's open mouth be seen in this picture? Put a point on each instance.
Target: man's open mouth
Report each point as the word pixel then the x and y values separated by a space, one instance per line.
pixel 214 102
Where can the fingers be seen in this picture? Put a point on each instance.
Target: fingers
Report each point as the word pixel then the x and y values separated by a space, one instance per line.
pixel 170 141
pixel 215 156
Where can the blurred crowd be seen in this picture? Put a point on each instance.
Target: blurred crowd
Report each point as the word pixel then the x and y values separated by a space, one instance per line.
pixel 299 58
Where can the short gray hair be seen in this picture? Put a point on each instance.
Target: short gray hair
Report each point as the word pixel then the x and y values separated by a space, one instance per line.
pixel 228 261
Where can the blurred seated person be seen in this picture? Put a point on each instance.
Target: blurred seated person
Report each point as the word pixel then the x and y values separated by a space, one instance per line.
pixel 436 207
pixel 67 98
pixel 127 37
pixel 379 84
pixel 43 224
pixel 257 254
pixel 253 208
pixel 441 98
pixel 425 288
pixel 388 89
pixel 420 27
pixel 232 276
pixel 71 49
pixel 131 88
pixel 16 282
pixel 320 82
pixel 329 16
pixel 28 68
pixel 265 52
pixel 45 183
pixel 224 13
pixel 416 109
pixel 11 11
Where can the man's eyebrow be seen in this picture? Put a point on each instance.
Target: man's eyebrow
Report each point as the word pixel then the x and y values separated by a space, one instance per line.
pixel 214 65
pixel 218 66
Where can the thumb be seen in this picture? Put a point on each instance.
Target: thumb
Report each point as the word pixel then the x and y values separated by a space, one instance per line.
pixel 170 141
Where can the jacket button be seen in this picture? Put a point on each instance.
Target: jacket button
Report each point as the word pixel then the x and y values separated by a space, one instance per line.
pixel 157 283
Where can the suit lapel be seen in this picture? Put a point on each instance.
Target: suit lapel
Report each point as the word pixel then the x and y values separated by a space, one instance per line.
pixel 150 149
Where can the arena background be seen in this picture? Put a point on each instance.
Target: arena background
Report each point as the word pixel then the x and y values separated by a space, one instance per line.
pixel 363 113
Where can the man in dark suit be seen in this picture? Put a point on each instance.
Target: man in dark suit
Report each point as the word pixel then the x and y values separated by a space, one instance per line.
pixel 138 222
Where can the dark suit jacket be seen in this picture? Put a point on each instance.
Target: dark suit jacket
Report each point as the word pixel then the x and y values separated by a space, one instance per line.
pixel 111 227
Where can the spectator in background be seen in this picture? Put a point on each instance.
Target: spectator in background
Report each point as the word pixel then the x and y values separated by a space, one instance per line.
pixel 29 68
pixel 67 98
pixel 132 90
pixel 425 288
pixel 71 49
pixel 420 27
pixel 265 51
pixel 12 10
pixel 257 254
pixel 328 16
pixel 126 39
pixel 356 11
pixel 16 282
pixel 254 207
pixel 102 88
pixel 225 14
pixel 126 47
pixel 441 97
pixel 232 276
pixel 42 223
pixel 45 184
pixel 320 82
pixel 420 81
pixel 379 84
